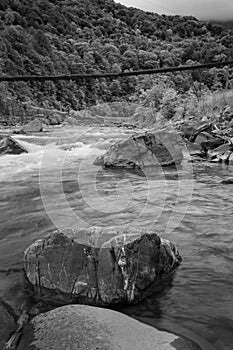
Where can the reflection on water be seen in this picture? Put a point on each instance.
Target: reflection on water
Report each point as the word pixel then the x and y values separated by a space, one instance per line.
pixel 56 185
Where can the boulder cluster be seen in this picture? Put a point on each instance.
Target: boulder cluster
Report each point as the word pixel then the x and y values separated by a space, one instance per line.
pixel 210 141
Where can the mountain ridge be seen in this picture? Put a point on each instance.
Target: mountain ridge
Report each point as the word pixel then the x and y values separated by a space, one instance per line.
pixel 94 36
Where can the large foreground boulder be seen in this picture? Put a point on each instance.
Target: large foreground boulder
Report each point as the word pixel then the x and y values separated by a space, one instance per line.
pixel 160 148
pixel 90 328
pixel 8 145
pixel 99 266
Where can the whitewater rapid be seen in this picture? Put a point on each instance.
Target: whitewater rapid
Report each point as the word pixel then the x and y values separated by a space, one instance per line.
pixel 67 143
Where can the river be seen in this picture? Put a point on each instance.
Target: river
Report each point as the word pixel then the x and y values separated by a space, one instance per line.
pixel 56 185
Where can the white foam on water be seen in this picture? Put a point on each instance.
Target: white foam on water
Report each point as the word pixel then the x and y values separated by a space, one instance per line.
pixel 59 148
pixel 30 147
pixel 20 166
pixel 88 150
pixel 70 146
pixel 23 136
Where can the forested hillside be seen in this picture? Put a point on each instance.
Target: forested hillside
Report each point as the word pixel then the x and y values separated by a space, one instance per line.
pixel 85 36
pixel 226 24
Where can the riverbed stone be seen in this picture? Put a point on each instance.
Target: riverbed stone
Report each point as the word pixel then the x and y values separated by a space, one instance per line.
pixel 97 267
pixel 194 149
pixel 230 160
pixel 160 148
pixel 203 137
pixel 71 121
pixel 8 145
pixel 7 325
pixel 220 152
pixel 187 130
pixel 227 181
pixel 33 126
pixel 91 328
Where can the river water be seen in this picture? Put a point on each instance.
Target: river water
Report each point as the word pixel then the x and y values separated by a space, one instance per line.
pixel 56 185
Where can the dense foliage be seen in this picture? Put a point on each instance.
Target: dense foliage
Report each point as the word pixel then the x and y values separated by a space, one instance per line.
pixel 85 36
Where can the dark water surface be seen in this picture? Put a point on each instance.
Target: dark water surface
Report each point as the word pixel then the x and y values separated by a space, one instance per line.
pixel 55 185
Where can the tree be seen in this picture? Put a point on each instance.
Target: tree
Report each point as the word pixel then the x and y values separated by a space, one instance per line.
pixel 41 43
pixel 9 17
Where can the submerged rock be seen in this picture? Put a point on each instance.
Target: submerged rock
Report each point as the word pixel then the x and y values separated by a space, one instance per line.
pixel 98 266
pixel 34 126
pixel 87 328
pixel 8 145
pixel 139 151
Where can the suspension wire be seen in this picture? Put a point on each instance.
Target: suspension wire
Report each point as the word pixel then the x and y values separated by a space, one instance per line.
pixel 42 78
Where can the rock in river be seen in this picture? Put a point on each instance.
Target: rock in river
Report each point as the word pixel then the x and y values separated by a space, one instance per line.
pixel 7 324
pixel 211 143
pixel 34 126
pixel 8 145
pixel 228 181
pixel 89 328
pixel 99 266
pixel 141 150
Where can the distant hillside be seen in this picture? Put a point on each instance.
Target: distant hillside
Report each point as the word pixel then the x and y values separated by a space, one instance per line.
pixel 85 36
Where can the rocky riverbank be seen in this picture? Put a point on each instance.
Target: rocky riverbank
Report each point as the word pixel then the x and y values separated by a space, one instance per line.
pixel 209 142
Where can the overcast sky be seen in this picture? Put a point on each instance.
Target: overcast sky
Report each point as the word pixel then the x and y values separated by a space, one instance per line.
pixel 202 9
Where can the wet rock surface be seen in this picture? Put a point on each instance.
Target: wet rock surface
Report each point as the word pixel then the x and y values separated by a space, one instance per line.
pixel 227 181
pixel 34 126
pixel 88 328
pixel 8 145
pixel 210 142
pixel 71 121
pixel 7 324
pixel 98 266
pixel 160 148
